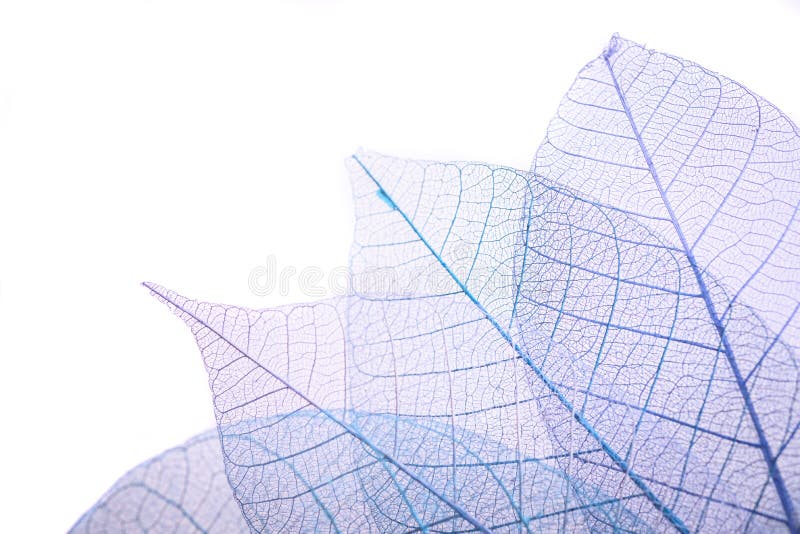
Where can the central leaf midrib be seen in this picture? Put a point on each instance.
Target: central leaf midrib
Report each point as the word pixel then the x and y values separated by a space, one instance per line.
pixel 612 454
pixel 774 472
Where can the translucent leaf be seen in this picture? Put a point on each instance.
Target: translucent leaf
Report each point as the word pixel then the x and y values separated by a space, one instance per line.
pixel 688 366
pixel 607 343
pixel 695 410
pixel 437 448
pixel 479 237
pixel 182 490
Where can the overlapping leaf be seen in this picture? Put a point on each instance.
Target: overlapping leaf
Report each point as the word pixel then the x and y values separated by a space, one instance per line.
pixel 437 449
pixel 607 343
pixel 507 207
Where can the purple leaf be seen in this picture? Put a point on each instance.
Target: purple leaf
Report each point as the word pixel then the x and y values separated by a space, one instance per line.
pixel 688 364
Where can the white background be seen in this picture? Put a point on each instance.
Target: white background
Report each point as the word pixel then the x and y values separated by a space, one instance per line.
pixel 185 142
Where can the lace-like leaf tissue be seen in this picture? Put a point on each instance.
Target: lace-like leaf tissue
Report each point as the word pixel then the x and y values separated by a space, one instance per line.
pixel 608 342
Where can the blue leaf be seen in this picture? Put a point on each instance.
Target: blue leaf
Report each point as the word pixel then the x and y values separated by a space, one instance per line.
pixel 478 238
pixel 182 490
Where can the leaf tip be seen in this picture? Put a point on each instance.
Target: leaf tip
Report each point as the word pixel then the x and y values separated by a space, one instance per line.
pixel 161 293
pixel 613 46
pixel 153 287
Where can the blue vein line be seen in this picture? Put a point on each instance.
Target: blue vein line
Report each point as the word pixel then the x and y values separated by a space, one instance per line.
pixel 665 417
pixel 668 514
pixel 607 325
pixel 658 369
pixel 455 211
pixel 597 160
pixel 565 293
pixel 623 327
pixel 349 429
pixel 278 458
pixel 733 505
pixel 312 489
pixel 718 480
pixel 769 458
pixel 735 182
pixel 696 427
pixel 354 471
pixel 486 465
pixel 168 501
pixel 483 229
pixel 402 492
pixel 628 281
